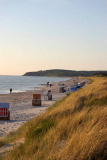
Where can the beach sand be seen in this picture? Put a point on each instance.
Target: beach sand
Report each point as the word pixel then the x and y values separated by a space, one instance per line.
pixel 21 109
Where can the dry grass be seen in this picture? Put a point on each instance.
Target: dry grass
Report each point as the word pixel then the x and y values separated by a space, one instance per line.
pixel 74 128
pixel 2 142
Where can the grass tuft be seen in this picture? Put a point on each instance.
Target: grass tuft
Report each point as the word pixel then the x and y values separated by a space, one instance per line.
pixel 40 129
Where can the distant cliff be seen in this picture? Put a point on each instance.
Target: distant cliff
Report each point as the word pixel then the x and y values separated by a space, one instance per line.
pixel 62 73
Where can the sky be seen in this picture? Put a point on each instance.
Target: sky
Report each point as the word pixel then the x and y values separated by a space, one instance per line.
pixel 52 34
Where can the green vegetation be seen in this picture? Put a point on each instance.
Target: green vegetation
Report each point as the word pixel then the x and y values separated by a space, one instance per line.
pixel 74 128
pixel 62 73
pixel 41 128
pixel 101 74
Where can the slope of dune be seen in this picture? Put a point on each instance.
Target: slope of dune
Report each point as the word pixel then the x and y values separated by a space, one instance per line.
pixel 74 128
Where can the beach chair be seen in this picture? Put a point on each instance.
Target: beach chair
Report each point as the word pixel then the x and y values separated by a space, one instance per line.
pixel 36 101
pixel 62 90
pixel 47 95
pixel 4 111
pixel 73 88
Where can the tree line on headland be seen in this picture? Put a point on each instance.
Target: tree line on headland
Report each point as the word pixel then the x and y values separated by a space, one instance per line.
pixel 65 73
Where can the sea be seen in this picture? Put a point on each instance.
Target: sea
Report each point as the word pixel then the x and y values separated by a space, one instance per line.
pixel 25 83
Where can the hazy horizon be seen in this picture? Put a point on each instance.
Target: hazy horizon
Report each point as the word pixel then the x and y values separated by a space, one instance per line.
pixel 47 34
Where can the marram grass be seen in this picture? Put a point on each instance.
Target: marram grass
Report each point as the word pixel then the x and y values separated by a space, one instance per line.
pixel 74 128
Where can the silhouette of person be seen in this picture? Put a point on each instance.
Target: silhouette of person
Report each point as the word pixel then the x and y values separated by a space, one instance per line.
pixel 10 90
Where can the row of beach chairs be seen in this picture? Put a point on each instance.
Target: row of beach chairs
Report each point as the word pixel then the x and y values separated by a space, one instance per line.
pixel 72 88
pixel 36 100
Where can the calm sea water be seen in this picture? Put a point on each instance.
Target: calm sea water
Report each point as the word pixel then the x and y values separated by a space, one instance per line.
pixel 24 83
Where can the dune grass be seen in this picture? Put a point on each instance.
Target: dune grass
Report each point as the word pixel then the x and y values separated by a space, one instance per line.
pixel 74 128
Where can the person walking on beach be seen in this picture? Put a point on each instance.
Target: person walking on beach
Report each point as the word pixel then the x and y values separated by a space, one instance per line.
pixel 10 90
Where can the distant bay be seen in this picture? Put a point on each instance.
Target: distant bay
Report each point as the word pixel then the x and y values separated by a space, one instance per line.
pixel 25 83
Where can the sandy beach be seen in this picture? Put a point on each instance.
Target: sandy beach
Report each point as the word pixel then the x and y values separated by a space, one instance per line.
pixel 21 109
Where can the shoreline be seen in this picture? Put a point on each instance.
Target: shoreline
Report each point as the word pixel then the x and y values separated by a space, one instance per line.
pixel 21 109
pixel 36 88
pixel 29 86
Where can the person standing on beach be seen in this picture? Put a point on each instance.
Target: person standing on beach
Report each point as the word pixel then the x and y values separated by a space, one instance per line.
pixel 10 90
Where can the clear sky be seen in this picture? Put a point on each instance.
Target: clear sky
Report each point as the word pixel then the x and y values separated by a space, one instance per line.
pixel 52 34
